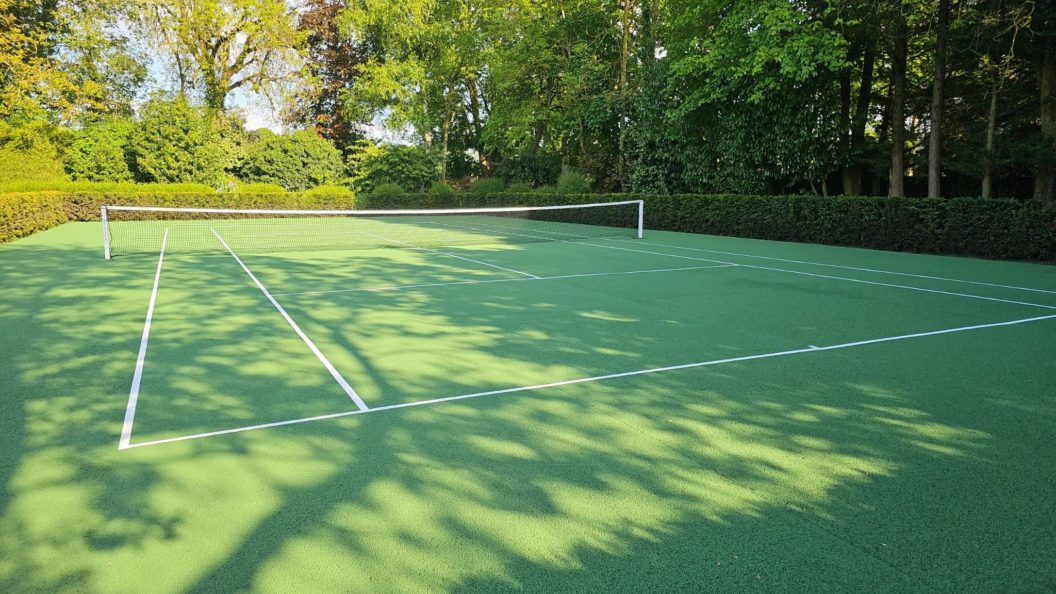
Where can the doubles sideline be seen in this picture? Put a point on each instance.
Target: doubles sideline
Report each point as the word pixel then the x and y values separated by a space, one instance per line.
pixel 568 382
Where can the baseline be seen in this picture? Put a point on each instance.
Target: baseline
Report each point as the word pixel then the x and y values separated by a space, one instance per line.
pixel 809 349
pixel 137 375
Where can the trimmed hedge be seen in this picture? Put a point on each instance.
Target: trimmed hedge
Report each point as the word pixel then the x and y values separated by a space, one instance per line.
pixel 962 226
pixel 24 214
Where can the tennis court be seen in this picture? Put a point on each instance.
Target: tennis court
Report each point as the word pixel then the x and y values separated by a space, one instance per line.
pixel 478 402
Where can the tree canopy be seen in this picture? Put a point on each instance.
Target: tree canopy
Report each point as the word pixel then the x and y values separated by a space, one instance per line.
pixel 906 98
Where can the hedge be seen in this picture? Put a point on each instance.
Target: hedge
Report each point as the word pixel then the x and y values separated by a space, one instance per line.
pixel 1004 229
pixel 23 214
pixel 962 226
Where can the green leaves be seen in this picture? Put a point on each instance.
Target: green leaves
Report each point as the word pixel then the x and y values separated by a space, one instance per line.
pixel 296 162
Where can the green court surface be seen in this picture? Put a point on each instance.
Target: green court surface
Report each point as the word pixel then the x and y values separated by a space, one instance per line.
pixel 673 413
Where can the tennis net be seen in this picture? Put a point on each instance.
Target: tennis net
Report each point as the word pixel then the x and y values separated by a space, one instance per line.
pixel 141 229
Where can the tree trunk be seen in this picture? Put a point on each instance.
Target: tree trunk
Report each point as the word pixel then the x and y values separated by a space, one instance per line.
pixel 1045 180
pixel 896 188
pixel 861 116
pixel 446 134
pixel 845 127
pixel 937 97
pixel 988 160
pixel 427 128
pixel 621 169
pixel 478 130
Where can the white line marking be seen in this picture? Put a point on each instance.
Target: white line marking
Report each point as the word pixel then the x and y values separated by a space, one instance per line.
pixel 641 242
pixel 137 375
pixel 418 247
pixel 289 320
pixel 813 349
pixel 877 271
pixel 500 280
pixel 865 282
pixel 843 278
pixel 506 230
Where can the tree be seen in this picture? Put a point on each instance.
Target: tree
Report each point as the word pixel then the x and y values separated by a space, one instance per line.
pixel 63 60
pixel 937 98
pixel 223 45
pixel 412 168
pixel 297 161
pixel 174 142
pixel 900 40
pixel 102 151
pixel 1044 30
pixel 333 63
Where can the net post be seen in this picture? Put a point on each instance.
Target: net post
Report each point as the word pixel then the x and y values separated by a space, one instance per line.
pixel 641 217
pixel 106 233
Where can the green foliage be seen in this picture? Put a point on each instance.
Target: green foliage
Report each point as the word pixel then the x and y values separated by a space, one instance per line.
pixel 520 188
pixel 441 190
pixel 258 188
pixel 22 214
pixel 573 182
pixel 174 142
pixel 66 186
pixel 342 192
pixel 296 161
pixel 387 191
pixel 101 152
pixel 487 185
pixel 411 168
pixel 29 153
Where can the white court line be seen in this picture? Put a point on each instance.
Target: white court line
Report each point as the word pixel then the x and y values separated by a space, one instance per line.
pixel 418 247
pixel 607 247
pixel 289 320
pixel 137 375
pixel 501 280
pixel 874 270
pixel 825 276
pixel 810 349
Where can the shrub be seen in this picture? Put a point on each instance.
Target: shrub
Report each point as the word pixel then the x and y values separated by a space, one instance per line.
pixel 258 189
pixel 102 152
pixel 174 142
pixel 22 214
pixel 387 191
pixel 29 153
pixel 330 190
pixel 63 185
pixel 573 182
pixel 520 188
pixel 412 168
pixel 442 190
pixel 487 185
pixel 296 162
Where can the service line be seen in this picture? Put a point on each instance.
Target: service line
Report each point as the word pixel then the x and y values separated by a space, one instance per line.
pixel 653 370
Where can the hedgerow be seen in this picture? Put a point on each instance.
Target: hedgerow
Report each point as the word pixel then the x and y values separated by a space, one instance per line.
pixel 963 226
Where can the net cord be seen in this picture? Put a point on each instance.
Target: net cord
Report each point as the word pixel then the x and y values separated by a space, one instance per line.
pixel 367 213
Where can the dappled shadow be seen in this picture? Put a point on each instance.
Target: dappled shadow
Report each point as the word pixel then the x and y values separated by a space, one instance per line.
pixel 880 469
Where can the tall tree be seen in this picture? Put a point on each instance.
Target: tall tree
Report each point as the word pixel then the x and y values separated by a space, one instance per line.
pixel 220 46
pixel 333 62
pixel 1044 29
pixel 937 99
pixel 899 38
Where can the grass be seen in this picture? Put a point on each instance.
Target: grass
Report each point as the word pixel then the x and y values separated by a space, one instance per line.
pixel 916 464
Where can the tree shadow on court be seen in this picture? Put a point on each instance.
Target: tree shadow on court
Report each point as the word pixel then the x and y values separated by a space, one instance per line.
pixel 834 473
